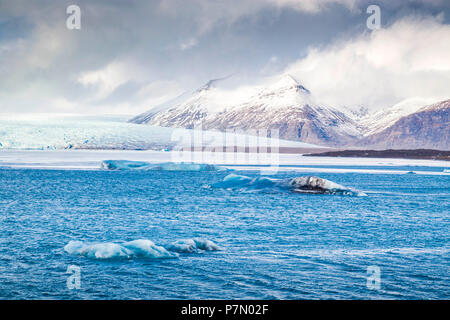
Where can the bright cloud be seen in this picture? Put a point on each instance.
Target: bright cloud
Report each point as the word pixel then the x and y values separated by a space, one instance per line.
pixel 313 5
pixel 107 79
pixel 409 59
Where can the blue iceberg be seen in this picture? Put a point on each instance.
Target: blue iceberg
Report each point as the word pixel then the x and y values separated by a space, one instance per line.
pixel 109 250
pixel 235 181
pixel 305 184
pixel 165 166
pixel 142 248
pixel 193 245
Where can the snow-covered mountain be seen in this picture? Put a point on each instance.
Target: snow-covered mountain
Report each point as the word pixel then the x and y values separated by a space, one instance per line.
pixel 373 123
pixel 284 104
pixel 427 128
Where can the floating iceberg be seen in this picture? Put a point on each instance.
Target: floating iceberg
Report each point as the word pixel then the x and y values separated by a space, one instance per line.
pixel 193 245
pixel 138 249
pixel 306 184
pixel 166 166
pixel 127 250
pixel 311 184
pixel 234 181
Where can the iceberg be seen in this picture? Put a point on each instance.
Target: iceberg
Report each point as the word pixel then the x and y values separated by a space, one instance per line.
pixel 166 166
pixel 234 181
pixel 305 184
pixel 193 245
pixel 142 248
pixel 110 250
pixel 124 165
pixel 312 184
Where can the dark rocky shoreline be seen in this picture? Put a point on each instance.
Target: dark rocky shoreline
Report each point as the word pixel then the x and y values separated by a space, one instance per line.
pixel 390 153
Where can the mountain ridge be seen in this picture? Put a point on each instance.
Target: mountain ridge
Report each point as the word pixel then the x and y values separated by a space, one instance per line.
pixel 289 107
pixel 429 128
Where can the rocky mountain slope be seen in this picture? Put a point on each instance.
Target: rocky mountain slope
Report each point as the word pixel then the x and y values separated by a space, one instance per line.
pixel 429 128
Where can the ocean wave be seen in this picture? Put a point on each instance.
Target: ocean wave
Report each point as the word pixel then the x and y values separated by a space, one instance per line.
pixel 141 248
pixel 165 166
pixel 375 251
pixel 305 184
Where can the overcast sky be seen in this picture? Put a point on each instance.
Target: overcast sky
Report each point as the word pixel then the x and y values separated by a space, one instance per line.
pixel 129 55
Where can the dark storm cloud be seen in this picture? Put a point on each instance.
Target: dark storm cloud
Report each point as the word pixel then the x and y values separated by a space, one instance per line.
pixel 130 55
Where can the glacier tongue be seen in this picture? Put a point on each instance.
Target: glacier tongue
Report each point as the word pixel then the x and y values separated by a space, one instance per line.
pixel 57 132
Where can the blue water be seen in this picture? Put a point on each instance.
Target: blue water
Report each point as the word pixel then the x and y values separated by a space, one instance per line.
pixel 274 244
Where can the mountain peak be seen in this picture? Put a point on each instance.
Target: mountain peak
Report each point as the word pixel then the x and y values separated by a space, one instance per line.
pixel 286 81
pixel 212 83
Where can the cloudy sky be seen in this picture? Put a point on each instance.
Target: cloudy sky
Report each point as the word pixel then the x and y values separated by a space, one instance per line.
pixel 131 55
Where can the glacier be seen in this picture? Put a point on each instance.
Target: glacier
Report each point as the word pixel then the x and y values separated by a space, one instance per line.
pixel 111 132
